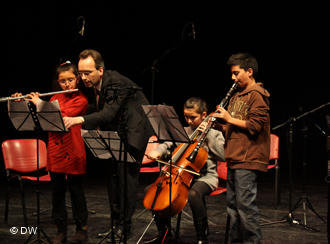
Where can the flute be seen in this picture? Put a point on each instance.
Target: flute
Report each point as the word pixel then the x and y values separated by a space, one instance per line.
pixel 4 99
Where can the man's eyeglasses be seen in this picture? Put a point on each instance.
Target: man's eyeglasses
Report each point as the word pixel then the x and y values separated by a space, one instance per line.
pixel 86 72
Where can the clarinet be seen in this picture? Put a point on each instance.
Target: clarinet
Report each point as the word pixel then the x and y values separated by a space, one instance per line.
pixel 225 100
pixel 223 103
pixel 211 120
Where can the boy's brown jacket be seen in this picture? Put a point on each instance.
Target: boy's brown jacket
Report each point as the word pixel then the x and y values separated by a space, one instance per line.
pixel 249 148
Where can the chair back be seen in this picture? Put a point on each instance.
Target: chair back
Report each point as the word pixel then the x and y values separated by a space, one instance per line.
pixel 152 144
pixel 21 154
pixel 222 170
pixel 222 174
pixel 274 147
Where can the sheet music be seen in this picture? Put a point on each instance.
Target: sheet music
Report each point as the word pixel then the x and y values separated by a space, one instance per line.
pixel 20 116
pixel 47 115
pixel 100 142
pixel 50 117
pixel 164 120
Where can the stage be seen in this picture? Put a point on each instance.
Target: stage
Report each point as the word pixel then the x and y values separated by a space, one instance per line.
pixel 97 200
pixel 174 52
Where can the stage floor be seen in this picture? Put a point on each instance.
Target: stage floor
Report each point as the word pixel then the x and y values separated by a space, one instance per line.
pixel 97 200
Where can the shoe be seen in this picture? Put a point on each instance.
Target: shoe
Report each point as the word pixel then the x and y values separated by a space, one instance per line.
pixel 119 234
pixel 201 228
pixel 202 242
pixel 59 238
pixel 80 237
pixel 266 242
pixel 103 234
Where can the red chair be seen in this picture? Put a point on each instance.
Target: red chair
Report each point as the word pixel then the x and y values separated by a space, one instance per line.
pixel 42 178
pixel 34 178
pixel 20 159
pixel 222 175
pixel 274 164
pixel 152 144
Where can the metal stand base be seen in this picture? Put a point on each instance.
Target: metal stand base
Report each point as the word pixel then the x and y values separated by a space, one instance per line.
pixel 110 234
pixel 146 229
pixel 305 203
pixel 38 239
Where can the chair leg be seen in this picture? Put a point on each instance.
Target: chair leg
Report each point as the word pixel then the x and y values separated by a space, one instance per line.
pixel 91 211
pixel 23 200
pixel 207 222
pixel 41 210
pixel 227 229
pixel 178 222
pixel 277 189
pixel 7 202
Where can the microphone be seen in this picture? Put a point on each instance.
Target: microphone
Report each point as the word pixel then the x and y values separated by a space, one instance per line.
pixel 81 22
pixel 193 30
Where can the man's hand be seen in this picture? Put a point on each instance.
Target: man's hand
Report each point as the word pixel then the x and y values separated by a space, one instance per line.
pixel 71 121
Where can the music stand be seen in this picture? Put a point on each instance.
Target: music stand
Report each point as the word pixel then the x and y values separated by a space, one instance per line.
pixel 106 145
pixel 303 200
pixel 46 117
pixel 167 128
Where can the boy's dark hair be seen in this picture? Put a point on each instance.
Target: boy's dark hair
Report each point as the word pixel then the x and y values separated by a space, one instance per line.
pixel 196 103
pixel 95 55
pixel 245 61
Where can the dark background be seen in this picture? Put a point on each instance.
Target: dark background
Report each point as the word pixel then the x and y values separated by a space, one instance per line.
pixel 289 42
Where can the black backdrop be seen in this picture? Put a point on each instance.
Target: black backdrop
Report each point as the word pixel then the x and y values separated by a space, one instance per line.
pixel 189 43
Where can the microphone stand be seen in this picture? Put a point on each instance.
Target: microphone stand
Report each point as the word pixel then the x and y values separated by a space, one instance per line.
pixel 154 70
pixel 289 218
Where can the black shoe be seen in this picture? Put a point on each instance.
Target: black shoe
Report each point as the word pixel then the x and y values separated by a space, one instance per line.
pixel 202 242
pixel 118 233
pixel 103 234
pixel 201 228
pixel 59 238
pixel 80 237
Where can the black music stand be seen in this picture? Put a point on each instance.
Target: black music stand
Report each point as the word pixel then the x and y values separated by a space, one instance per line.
pixel 106 145
pixel 45 118
pixel 167 128
pixel 303 200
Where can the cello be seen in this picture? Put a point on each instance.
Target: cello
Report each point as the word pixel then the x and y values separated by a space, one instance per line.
pixel 168 195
